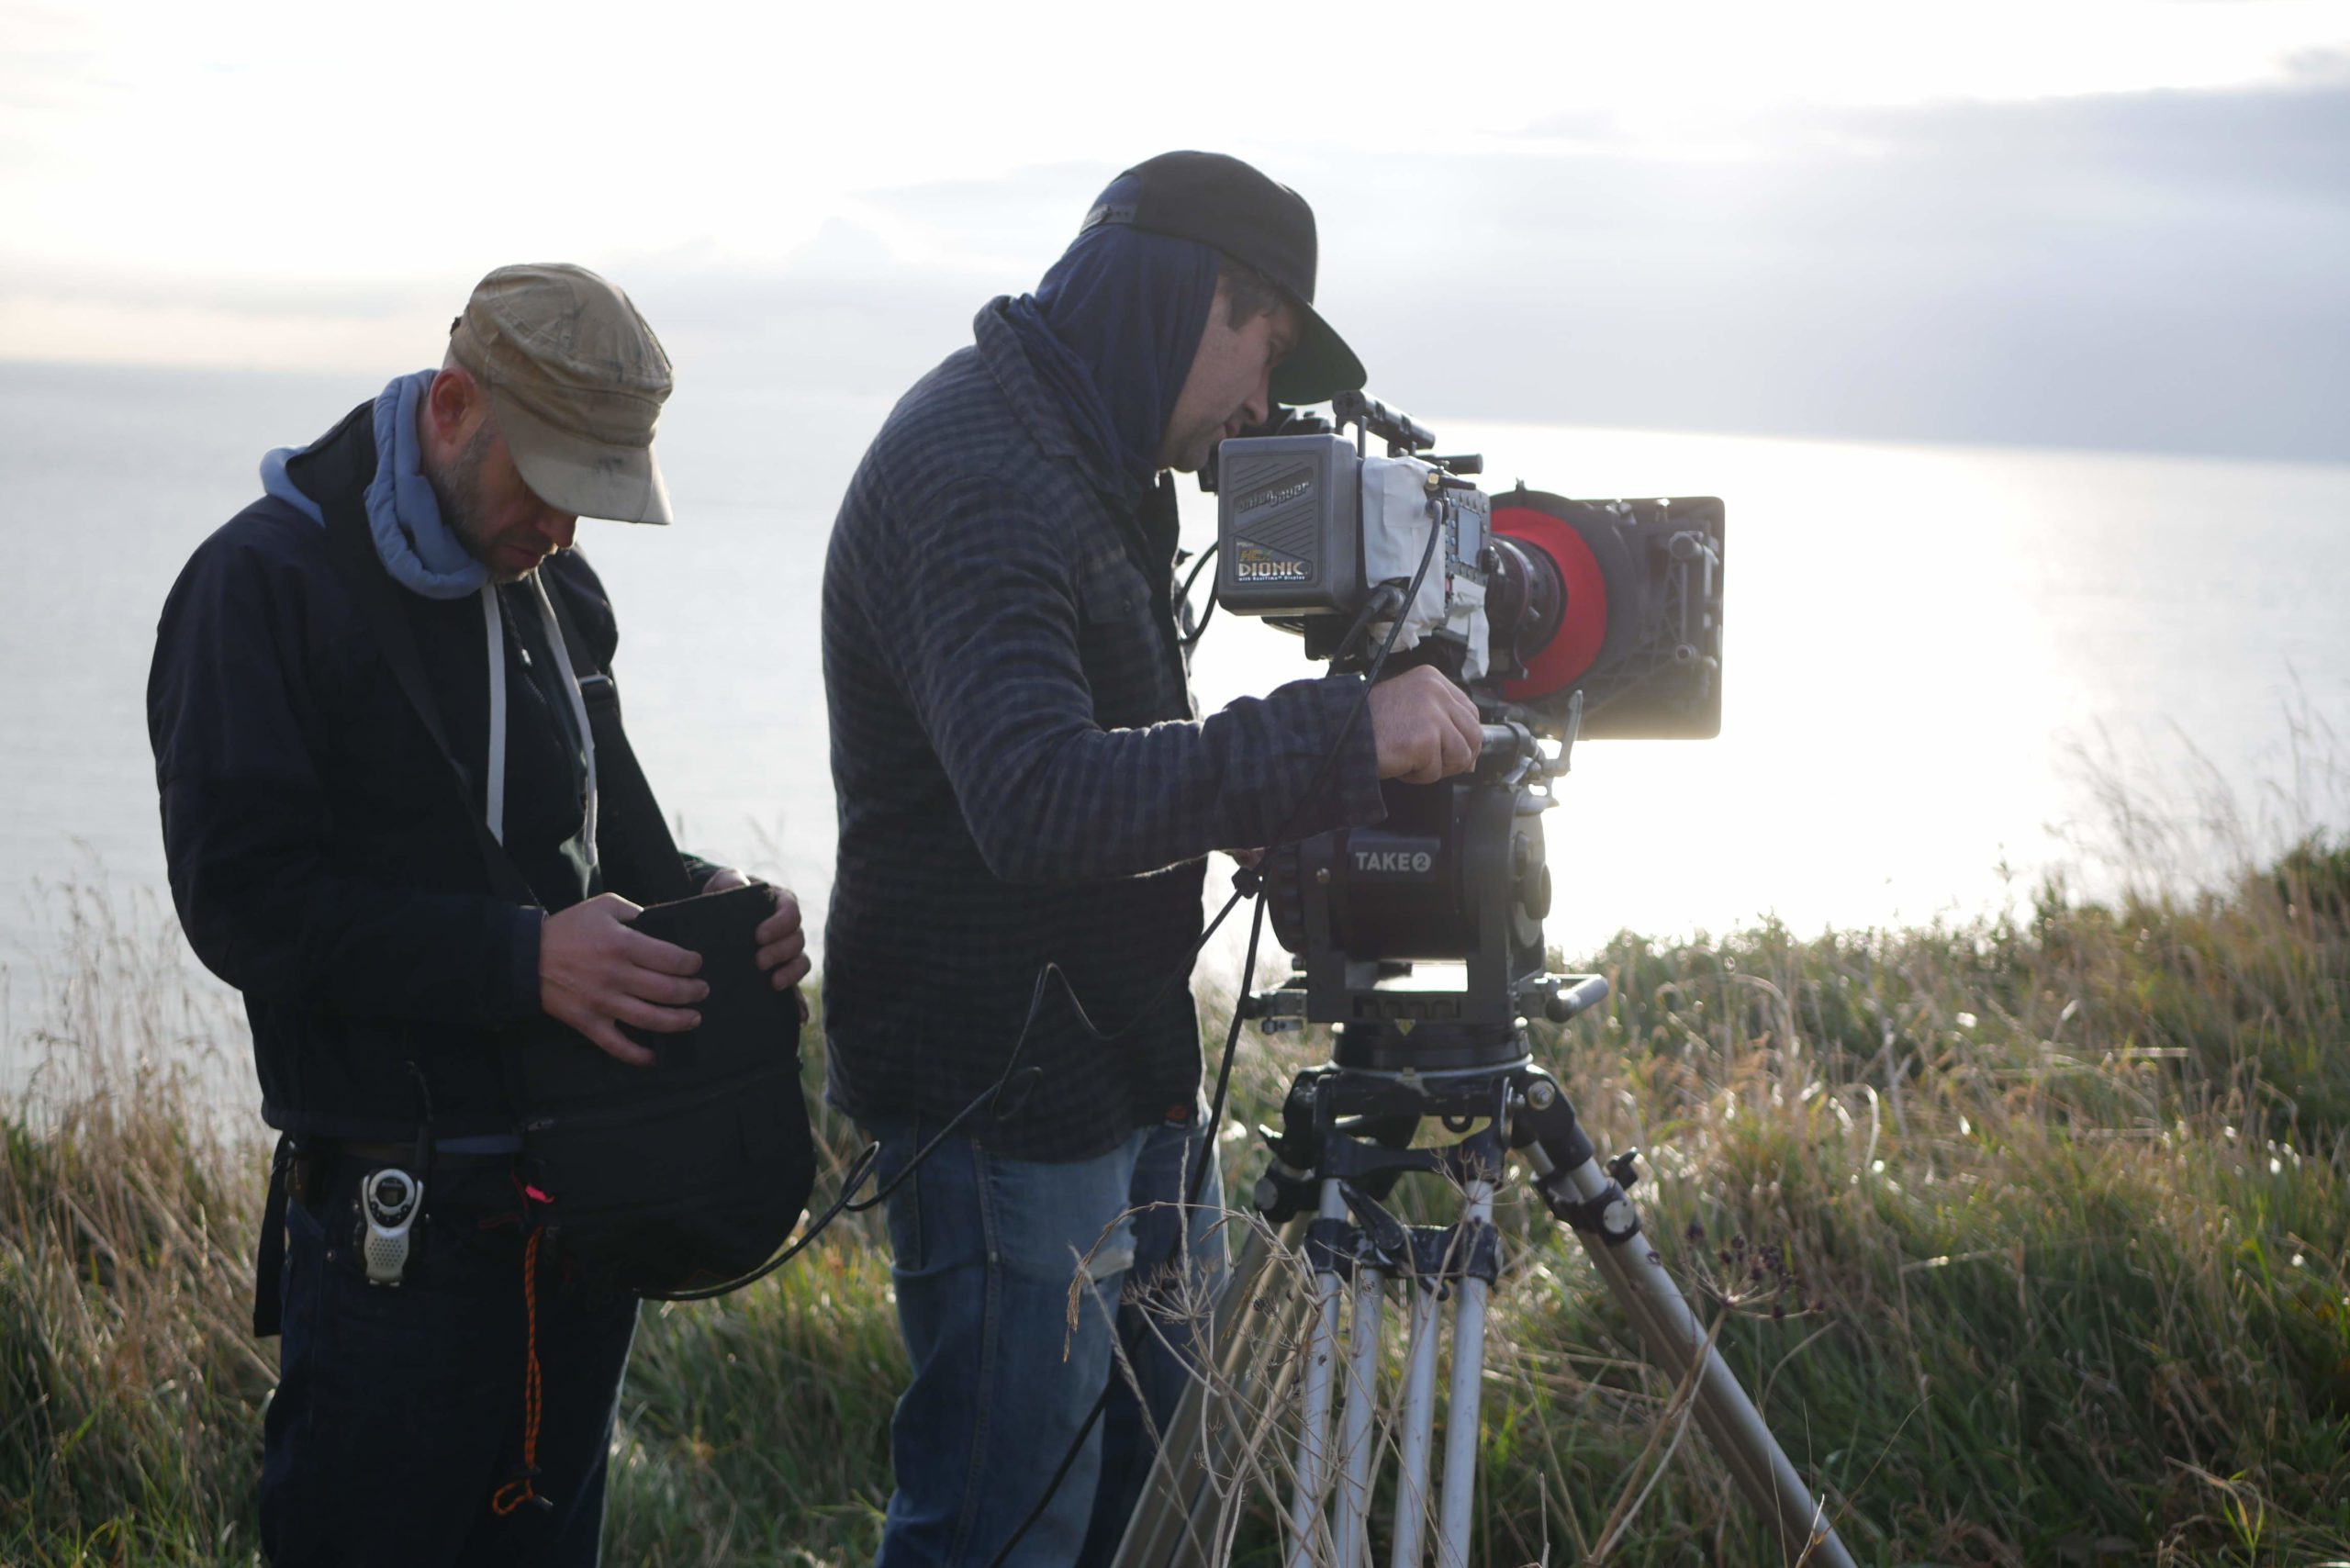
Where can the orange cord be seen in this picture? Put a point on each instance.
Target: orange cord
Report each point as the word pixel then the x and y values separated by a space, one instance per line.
pixel 517 1492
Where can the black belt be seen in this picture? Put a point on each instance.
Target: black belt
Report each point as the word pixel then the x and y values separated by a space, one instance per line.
pixel 495 1150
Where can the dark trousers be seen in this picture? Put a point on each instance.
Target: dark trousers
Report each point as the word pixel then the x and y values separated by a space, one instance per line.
pixel 399 1413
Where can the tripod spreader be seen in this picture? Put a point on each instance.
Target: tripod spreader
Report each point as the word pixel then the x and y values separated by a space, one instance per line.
pixel 1377 1239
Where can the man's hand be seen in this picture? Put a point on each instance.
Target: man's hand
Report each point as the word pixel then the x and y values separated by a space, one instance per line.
pixel 1426 727
pixel 783 948
pixel 595 974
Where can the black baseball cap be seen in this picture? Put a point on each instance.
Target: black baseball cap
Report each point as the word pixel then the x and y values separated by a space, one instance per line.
pixel 1264 226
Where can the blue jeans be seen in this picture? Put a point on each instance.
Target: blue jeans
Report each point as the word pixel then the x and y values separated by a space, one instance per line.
pixel 986 1254
pixel 398 1412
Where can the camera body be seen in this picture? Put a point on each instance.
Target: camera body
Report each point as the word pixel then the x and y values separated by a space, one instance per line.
pixel 1421 936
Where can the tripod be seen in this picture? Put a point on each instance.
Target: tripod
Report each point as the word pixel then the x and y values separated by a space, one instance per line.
pixel 1343 1143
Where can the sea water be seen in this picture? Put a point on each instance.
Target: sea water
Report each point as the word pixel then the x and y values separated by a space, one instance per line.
pixel 1948 670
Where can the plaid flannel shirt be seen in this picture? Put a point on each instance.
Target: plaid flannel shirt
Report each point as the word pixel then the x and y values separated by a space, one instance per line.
pixel 1021 772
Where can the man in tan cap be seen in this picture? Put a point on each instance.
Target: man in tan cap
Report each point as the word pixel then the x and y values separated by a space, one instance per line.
pixel 381 709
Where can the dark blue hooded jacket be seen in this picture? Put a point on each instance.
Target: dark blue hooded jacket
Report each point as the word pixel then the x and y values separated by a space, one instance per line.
pixel 323 855
pixel 1022 778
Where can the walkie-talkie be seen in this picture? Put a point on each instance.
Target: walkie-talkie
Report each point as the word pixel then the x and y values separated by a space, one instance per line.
pixel 388 1201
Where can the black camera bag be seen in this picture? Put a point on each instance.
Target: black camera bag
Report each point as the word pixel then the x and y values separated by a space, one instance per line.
pixel 686 1176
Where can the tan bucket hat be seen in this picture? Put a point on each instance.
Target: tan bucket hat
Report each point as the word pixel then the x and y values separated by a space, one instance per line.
pixel 576 380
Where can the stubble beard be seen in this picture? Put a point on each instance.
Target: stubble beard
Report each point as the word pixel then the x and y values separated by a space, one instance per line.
pixel 456 491
pixel 1190 449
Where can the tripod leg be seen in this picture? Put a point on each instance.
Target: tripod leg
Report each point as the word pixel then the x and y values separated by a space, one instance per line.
pixel 1356 1449
pixel 1637 1278
pixel 1419 1426
pixel 1312 1473
pixel 1173 1523
pixel 1456 1502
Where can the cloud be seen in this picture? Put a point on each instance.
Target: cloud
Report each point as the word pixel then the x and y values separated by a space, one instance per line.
pixel 2215 148
pixel 127 288
pixel 2156 270
pixel 2318 67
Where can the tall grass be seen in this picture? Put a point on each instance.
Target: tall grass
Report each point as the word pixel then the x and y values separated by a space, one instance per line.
pixel 2030 1233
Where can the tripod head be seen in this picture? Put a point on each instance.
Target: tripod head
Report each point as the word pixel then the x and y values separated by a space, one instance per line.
pixel 1421 937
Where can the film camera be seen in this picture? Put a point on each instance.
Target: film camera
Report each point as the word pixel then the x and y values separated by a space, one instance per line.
pixel 1421 937
pixel 1560 619
pixel 1420 940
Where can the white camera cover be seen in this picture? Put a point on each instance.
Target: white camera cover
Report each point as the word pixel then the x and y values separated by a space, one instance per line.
pixel 1398 509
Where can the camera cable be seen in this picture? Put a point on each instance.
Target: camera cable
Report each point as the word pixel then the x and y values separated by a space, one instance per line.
pixel 1199 627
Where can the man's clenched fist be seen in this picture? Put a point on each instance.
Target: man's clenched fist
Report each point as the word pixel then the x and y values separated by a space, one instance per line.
pixel 1426 727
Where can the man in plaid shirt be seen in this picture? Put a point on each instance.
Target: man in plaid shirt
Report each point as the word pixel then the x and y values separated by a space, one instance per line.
pixel 1025 784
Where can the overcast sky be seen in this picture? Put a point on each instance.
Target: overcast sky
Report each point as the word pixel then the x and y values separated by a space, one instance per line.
pixel 2118 225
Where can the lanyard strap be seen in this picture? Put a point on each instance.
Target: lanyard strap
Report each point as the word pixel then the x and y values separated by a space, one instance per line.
pixel 493 617
pixel 578 704
pixel 494 797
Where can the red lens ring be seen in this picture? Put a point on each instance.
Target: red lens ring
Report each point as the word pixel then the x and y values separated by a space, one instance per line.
pixel 1577 642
